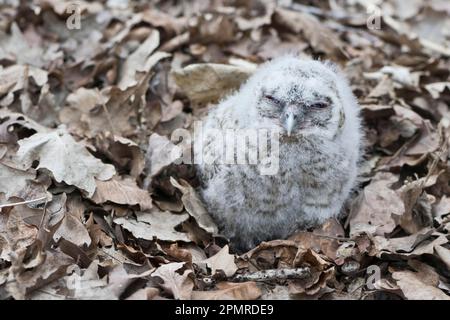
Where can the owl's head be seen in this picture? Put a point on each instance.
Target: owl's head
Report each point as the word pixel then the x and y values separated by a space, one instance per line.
pixel 299 97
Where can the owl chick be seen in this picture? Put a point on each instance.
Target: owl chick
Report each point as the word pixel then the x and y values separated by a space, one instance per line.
pixel 312 106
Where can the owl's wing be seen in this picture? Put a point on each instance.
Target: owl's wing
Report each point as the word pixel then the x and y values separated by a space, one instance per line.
pixel 206 161
pixel 214 127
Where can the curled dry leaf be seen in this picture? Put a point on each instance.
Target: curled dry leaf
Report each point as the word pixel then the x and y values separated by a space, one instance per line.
pixel 209 82
pixel 230 291
pixel 155 224
pixel 441 208
pixel 414 288
pixel 411 246
pixel 122 191
pixel 320 272
pixel 401 76
pixel 169 23
pixel 402 244
pixel 128 154
pixel 111 110
pixel 188 252
pixel 374 209
pixel 318 35
pixel 140 60
pixel 15 234
pixel 161 153
pixel 194 206
pixel 443 254
pixel 43 269
pixel 14 47
pixel 176 280
pixel 14 78
pixel 72 229
pixel 75 165
pixel 88 285
pixel 14 182
pixel 417 213
pixel 245 24
pixel 222 260
pixel 172 111
pixel 10 120
pixel 273 254
pixel 145 294
pixel 81 104
pixel 437 88
pixel 214 28
pixel 323 239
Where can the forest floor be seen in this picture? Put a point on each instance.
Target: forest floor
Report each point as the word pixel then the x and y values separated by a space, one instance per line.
pixel 93 207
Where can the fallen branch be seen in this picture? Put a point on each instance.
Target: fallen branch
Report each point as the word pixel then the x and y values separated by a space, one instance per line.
pixel 273 274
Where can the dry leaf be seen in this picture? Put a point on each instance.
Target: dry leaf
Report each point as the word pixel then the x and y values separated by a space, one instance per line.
pixel 15 234
pixel 122 191
pixel 89 286
pixel 194 206
pixel 176 282
pixel 318 35
pixel 73 230
pixel 13 182
pixel 320 269
pixel 42 270
pixel 443 254
pixel 414 288
pixel 140 60
pixel 161 153
pixel 222 260
pixel 75 165
pixel 120 93
pixel 210 82
pixel 230 291
pixel 435 89
pixel 373 210
pixel 155 224
pixel 14 78
pixel 15 47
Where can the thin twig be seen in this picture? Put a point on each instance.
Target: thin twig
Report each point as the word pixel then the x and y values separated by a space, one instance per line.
pixel 332 238
pixel 19 203
pixel 43 216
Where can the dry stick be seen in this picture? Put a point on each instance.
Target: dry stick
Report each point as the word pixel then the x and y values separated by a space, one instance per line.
pixel 43 216
pixel 332 237
pixel 175 42
pixel 23 202
pixel 273 274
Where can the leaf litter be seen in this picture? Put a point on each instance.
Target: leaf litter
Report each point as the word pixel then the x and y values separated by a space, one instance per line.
pixel 92 205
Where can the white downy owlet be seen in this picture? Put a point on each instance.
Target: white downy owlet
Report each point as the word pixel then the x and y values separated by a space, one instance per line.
pixel 312 107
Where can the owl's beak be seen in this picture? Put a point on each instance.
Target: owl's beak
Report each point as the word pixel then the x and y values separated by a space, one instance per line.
pixel 289 123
